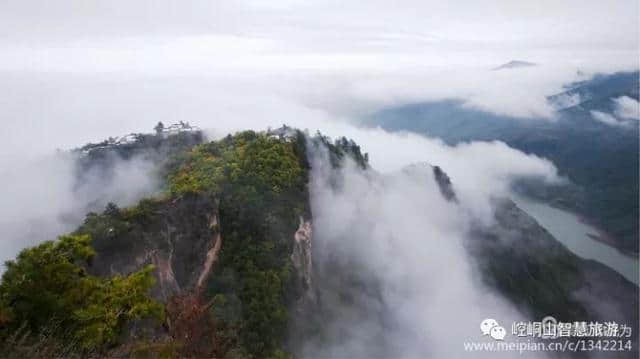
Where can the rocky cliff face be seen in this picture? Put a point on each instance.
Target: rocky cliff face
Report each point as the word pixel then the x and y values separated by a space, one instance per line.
pixel 230 256
pixel 301 257
pixel 182 239
pixel 174 235
pixel 444 183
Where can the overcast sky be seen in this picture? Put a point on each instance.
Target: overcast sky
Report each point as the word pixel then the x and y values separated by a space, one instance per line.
pixel 333 25
pixel 73 71
pixel 161 34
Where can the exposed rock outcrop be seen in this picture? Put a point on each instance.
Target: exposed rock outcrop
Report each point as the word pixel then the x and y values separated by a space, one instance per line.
pixel 167 284
pixel 444 183
pixel 187 312
pixel 180 237
pixel 212 254
pixel 301 257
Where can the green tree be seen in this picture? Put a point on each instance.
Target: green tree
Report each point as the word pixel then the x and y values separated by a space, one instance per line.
pixel 112 303
pixel 46 281
pixel 49 282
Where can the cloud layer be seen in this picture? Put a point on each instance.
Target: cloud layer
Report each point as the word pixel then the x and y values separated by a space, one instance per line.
pixel 43 198
pixel 62 112
pixel 333 26
pixel 626 111
pixel 78 71
pixel 405 287
pixel 627 108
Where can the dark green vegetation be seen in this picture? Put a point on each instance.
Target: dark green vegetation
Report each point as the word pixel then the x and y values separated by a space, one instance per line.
pixel 94 288
pixel 601 161
pixel 204 267
pixel 260 182
pixel 256 185
pixel 47 291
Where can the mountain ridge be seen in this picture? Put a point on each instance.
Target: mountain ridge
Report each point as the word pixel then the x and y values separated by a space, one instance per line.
pixel 230 243
pixel 513 64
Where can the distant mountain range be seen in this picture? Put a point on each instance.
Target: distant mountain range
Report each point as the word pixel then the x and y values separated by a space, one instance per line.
pixel 601 160
pixel 514 64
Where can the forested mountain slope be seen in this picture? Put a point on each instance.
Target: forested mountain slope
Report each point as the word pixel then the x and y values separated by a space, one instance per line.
pixel 219 262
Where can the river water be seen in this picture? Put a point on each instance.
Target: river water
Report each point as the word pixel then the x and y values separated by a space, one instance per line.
pixel 568 229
